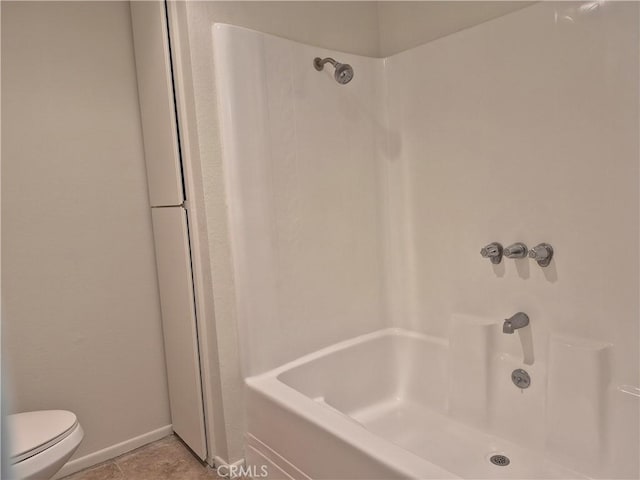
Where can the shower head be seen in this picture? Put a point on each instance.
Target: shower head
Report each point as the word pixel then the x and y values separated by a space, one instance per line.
pixel 343 71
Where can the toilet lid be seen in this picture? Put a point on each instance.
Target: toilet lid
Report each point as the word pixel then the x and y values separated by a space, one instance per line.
pixel 32 432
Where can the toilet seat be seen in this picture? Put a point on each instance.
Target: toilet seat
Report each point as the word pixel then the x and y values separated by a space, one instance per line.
pixel 41 442
pixel 34 432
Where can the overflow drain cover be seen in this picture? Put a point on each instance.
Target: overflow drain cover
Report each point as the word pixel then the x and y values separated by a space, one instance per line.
pixel 500 460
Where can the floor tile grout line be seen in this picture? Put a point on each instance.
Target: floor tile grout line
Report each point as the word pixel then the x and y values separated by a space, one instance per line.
pixel 122 474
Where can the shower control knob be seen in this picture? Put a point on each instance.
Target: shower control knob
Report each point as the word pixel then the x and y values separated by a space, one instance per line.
pixel 542 253
pixel 517 250
pixel 493 251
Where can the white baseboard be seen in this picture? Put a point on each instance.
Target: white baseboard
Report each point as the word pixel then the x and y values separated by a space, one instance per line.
pixel 113 451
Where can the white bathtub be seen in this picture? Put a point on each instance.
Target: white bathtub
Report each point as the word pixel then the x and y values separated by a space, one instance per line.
pixel 375 406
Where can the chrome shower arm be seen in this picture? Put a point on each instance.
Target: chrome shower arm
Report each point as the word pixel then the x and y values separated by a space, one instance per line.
pixel 319 62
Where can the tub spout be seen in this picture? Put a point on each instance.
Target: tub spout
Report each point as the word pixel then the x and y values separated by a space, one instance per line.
pixel 516 322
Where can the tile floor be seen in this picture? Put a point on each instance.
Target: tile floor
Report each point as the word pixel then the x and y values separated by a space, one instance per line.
pixel 166 459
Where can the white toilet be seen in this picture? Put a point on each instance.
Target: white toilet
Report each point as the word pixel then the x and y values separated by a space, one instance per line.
pixel 41 442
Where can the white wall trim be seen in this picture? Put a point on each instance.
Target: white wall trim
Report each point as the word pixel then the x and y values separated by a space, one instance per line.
pixel 113 451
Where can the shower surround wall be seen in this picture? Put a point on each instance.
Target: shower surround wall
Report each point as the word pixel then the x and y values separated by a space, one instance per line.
pixel 359 207
pixel 526 129
pixel 305 201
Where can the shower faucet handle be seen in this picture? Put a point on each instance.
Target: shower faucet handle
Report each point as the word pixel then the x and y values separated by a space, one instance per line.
pixel 517 250
pixel 493 251
pixel 542 253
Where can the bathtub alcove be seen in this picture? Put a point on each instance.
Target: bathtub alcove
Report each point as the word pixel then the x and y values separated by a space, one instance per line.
pixel 370 326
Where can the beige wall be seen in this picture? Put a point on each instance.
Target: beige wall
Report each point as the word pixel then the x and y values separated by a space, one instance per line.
pixel 404 25
pixel 81 321
pixel 345 26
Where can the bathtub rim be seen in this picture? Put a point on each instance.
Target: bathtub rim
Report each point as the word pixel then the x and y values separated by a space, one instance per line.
pixel 268 387
pixel 343 345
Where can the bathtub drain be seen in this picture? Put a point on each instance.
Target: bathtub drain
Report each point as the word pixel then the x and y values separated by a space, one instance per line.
pixel 500 460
